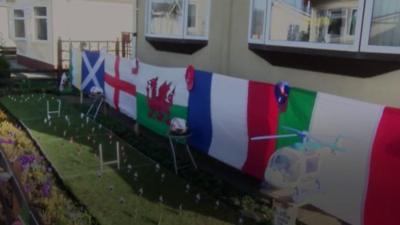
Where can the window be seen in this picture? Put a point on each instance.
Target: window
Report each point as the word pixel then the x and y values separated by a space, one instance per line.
pixel 40 23
pixel 382 26
pixel 192 16
pixel 257 21
pixel 180 19
pixel 319 24
pixel 19 24
pixel 352 22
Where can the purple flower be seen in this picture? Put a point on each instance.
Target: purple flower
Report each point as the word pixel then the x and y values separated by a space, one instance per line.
pixel 27 188
pixel 26 161
pixel 46 189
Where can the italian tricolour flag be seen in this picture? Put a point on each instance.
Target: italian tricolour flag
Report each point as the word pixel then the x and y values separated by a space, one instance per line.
pixel 360 185
pixel 162 94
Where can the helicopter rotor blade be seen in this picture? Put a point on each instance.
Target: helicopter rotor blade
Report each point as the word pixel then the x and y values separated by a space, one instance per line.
pixel 270 137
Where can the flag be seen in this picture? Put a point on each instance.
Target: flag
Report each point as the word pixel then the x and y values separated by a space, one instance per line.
pixel 76 67
pixel 120 84
pixel 225 112
pixel 357 185
pixel 161 95
pixel 92 70
pixel 382 199
pixel 65 84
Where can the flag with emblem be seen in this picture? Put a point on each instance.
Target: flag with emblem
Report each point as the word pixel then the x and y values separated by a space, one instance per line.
pixel 120 84
pixel 162 95
pixel 358 184
pixel 92 71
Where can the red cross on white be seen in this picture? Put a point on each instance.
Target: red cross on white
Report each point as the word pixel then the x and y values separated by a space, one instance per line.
pixel 120 84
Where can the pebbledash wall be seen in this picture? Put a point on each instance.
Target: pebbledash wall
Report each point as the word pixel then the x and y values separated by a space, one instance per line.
pixel 86 20
pixel 227 52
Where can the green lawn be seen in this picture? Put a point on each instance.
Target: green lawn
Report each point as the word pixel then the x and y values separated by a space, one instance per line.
pixel 113 197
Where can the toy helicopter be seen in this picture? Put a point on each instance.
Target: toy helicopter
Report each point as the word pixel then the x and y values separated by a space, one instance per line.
pixel 296 168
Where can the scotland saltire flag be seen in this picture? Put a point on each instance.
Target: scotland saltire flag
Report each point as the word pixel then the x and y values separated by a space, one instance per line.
pixel 92 71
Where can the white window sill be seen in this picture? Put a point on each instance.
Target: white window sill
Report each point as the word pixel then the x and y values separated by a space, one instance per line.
pixel 40 41
pixel 186 37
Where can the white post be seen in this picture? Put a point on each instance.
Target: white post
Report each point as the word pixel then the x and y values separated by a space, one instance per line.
pixel 136 128
pixel 48 109
pixel 101 156
pixel 118 159
pixel 59 107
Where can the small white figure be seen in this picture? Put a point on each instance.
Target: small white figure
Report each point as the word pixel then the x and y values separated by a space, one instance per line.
pixel 157 168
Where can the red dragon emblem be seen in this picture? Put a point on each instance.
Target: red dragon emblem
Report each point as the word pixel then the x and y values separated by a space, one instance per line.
pixel 160 103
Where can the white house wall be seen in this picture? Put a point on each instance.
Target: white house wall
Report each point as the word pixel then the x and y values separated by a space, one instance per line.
pixel 228 53
pixel 92 20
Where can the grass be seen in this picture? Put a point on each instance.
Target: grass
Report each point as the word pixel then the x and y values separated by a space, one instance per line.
pixel 113 197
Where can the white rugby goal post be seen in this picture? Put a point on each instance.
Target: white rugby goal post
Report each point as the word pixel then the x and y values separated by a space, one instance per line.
pixel 113 162
pixel 51 112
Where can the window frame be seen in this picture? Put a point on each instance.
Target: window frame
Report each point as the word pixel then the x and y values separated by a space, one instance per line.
pixel 184 29
pixel 355 47
pixel 14 19
pixel 34 18
pixel 365 46
pixel 250 39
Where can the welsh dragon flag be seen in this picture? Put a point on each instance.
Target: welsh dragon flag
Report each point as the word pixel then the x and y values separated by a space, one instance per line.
pixel 162 94
pixel 225 112
pixel 120 81
pixel 360 185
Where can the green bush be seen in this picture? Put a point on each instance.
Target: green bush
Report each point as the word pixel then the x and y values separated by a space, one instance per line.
pixel 4 66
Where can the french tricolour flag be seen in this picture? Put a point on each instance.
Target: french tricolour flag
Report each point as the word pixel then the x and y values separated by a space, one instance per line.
pixel 225 112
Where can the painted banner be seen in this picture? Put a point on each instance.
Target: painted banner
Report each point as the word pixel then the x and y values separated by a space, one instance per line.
pixel 161 95
pixel 225 112
pixel 120 82
pixel 368 134
pixel 92 71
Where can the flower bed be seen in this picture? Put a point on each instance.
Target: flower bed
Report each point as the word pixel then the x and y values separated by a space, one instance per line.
pixel 39 182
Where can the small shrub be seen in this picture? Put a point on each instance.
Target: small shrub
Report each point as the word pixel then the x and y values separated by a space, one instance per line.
pixel 4 66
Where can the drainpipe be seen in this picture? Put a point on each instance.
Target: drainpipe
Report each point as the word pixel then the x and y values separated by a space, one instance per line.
pixel 135 34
